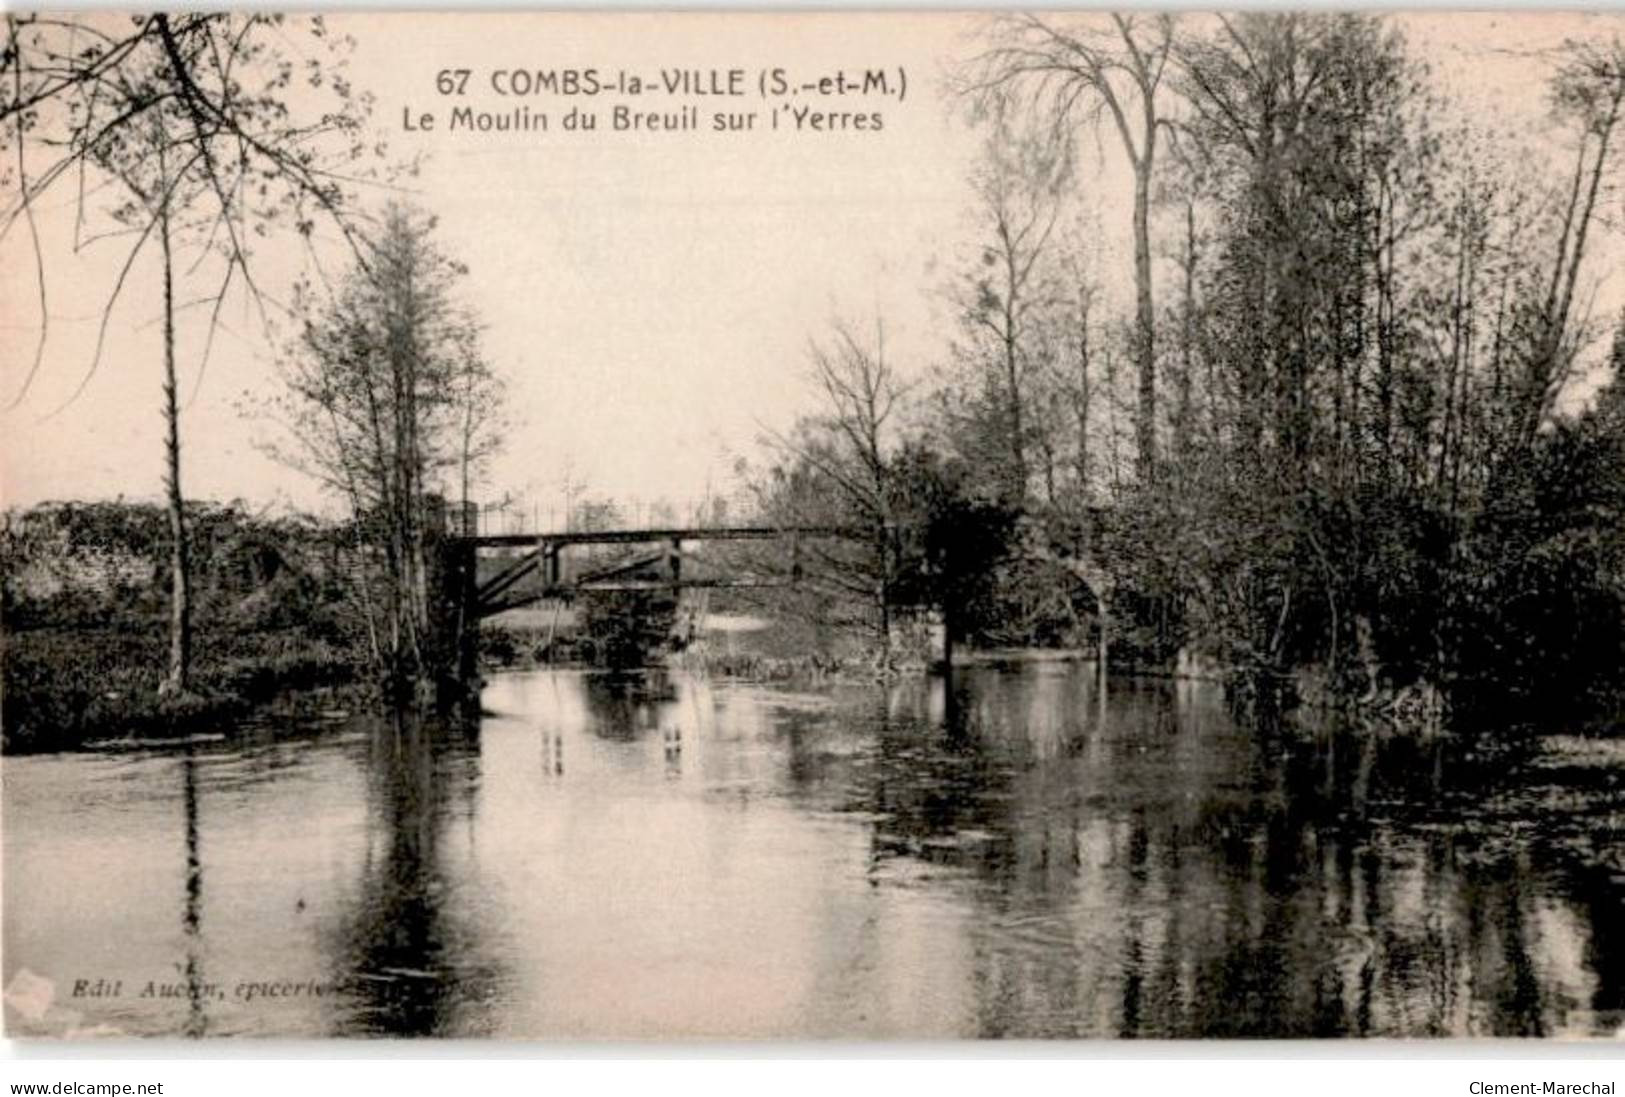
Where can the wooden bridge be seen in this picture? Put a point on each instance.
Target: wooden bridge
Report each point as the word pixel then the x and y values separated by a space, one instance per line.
pixel 483 575
pixel 539 570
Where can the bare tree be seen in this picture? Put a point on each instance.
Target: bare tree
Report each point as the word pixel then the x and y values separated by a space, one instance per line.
pixel 835 468
pixel 479 397
pixel 1588 94
pixel 385 393
pixel 1009 285
pixel 1081 73
pixel 157 201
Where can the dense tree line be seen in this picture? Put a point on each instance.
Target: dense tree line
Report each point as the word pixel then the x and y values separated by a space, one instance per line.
pixel 1338 434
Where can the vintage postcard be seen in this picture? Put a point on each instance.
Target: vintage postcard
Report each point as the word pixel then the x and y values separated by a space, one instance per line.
pixel 813 526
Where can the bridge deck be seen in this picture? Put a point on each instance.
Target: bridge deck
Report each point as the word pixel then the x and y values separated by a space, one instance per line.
pixel 514 584
pixel 643 536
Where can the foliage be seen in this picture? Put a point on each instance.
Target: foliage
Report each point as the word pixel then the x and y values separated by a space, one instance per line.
pixel 387 397
pixel 85 563
pixel 83 658
pixel 64 687
pixel 623 630
pixel 1365 464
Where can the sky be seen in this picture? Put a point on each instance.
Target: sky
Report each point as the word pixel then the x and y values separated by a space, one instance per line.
pixel 649 297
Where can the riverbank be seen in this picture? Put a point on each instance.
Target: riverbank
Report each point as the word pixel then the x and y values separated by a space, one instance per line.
pixel 85 600
pixel 66 686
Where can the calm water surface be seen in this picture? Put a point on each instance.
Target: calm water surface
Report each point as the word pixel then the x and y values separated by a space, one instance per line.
pixel 1017 856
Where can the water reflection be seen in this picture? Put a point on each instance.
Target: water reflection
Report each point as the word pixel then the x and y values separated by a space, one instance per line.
pixel 1020 853
pixel 1162 873
pixel 411 962
pixel 192 918
pixel 626 706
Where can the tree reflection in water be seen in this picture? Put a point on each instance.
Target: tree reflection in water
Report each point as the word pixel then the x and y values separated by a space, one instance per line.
pixel 411 968
pixel 192 916
pixel 670 855
pixel 1153 867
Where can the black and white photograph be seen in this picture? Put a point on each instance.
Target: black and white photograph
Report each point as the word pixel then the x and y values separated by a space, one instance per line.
pixel 804 527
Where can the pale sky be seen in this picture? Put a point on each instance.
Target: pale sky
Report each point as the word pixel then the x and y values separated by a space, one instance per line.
pixel 649 297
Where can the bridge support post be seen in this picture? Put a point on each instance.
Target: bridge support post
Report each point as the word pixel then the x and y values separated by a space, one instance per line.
pixel 468 631
pixel 454 624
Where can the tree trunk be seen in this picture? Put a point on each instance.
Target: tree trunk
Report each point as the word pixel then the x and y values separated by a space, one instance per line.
pixel 1103 650
pixel 180 598
pixel 1082 402
pixel 1183 442
pixel 1012 380
pixel 1144 319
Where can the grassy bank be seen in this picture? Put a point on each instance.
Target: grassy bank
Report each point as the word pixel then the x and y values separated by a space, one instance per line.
pixel 65 686
pixel 84 621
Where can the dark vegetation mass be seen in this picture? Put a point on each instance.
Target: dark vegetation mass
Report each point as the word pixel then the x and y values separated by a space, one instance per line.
pixel 1344 423
pixel 1357 436
pixel 86 611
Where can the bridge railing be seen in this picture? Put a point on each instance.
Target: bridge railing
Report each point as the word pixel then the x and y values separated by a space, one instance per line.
pixel 517 516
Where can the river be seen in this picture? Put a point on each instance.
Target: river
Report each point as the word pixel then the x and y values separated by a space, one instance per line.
pixel 664 856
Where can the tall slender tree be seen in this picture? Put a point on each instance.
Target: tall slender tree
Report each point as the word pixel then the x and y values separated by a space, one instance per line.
pixel 190 115
pixel 1078 74
pixel 1005 293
